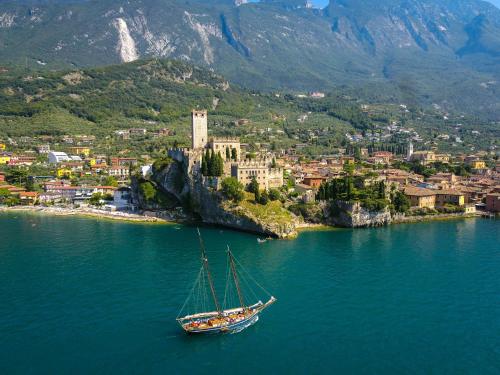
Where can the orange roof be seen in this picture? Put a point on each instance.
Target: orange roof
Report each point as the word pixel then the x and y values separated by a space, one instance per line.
pixel 28 194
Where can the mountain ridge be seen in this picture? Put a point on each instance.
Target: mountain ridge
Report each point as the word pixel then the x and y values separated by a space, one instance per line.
pixel 426 51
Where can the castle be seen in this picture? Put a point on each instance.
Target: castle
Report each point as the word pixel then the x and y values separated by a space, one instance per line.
pixel 236 166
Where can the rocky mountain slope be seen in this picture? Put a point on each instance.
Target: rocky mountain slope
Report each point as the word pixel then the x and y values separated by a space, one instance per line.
pixel 444 52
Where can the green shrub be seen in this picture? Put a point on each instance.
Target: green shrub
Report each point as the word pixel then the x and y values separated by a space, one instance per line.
pixel 233 189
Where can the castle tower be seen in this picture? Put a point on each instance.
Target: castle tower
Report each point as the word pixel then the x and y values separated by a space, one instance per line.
pixel 199 128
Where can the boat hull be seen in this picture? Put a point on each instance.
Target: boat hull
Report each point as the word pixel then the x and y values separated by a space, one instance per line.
pixel 230 328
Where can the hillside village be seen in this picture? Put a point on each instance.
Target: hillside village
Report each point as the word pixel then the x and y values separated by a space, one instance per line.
pixel 423 183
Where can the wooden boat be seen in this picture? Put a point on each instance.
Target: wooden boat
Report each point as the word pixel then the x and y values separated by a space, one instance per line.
pixel 220 319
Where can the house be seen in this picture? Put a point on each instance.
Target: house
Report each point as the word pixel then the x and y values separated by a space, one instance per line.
pixel 28 198
pixel 313 181
pixel 421 198
pixel 64 173
pixel 453 197
pixel 384 156
pixel 56 157
pixel 2 177
pixel 493 202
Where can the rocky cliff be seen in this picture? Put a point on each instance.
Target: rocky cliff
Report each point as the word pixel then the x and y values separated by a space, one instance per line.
pixel 200 196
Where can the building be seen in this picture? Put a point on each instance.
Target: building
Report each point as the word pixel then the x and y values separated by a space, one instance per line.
pixel 56 157
pixel 420 198
pixel 199 129
pixel 221 144
pixel 121 173
pixel 28 198
pixel 423 157
pixel 137 132
pixel 77 150
pixel 453 197
pixel 313 181
pixel 384 156
pixel 2 146
pixel 266 176
pixel 124 162
pixel 4 159
pixel 493 202
pixel 43 149
pixel 2 177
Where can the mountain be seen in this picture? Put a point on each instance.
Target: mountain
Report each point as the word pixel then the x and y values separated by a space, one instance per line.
pixel 442 52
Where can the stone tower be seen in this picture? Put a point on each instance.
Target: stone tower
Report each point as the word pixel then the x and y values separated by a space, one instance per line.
pixel 199 128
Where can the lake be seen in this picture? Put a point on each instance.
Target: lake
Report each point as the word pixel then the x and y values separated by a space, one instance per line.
pixel 87 296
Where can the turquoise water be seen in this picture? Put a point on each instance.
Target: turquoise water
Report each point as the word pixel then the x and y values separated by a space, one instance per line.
pixel 87 296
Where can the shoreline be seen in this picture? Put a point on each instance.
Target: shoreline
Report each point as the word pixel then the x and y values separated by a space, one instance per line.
pixel 144 218
pixel 89 213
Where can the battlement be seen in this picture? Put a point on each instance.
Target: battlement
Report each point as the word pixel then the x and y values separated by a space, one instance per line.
pixel 224 140
pixel 260 163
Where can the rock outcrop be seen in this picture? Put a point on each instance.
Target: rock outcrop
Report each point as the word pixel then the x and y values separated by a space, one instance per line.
pixel 353 215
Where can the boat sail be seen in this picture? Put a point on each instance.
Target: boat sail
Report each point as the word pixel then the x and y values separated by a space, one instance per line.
pixel 223 318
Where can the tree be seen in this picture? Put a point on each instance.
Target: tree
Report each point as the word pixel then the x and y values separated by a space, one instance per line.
pixel 234 154
pixel 110 181
pixel 4 194
pixel 274 194
pixel 95 200
pixel 228 153
pixel 253 187
pixel 204 165
pixel 264 198
pixel 381 190
pixel 232 189
pixel 401 202
pixel 211 164
pixel 219 165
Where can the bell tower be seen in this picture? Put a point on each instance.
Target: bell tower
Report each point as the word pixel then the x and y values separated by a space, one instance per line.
pixel 199 128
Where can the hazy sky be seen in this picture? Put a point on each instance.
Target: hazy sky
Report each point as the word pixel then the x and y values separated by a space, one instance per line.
pixel 322 3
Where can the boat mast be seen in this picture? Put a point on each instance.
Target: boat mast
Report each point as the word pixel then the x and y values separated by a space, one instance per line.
pixel 204 260
pixel 235 277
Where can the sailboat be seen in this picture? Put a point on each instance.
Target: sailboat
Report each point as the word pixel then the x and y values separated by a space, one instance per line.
pixel 221 319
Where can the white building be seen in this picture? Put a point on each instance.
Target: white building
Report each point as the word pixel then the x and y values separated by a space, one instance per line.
pixel 56 157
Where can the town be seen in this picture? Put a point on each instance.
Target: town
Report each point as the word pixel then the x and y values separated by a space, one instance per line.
pixel 66 172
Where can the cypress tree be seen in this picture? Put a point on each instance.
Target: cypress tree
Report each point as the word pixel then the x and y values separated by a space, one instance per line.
pixel 211 164
pixel 234 154
pixel 228 153
pixel 204 166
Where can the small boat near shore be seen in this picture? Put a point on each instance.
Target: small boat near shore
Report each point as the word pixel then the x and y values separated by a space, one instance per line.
pixel 222 319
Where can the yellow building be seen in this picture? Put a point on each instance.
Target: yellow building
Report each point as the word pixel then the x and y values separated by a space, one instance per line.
pixel 4 159
pixel 478 164
pixel 454 197
pixel 85 151
pixel 64 172
pixel 421 198
pixel 2 146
